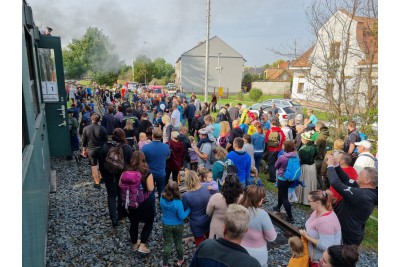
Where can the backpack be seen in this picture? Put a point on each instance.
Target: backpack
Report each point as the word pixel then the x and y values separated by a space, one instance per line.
pixel 132 193
pixel 274 139
pixel 223 141
pixel 363 136
pixel 212 154
pixel 293 170
pixel 358 139
pixel 229 168
pixel 114 162
pixel 371 157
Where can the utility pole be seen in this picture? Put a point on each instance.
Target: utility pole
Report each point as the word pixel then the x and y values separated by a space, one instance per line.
pixel 219 69
pixel 207 52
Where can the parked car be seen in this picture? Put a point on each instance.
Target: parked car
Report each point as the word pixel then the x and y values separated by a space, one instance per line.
pixel 287 102
pixel 285 112
pixel 159 90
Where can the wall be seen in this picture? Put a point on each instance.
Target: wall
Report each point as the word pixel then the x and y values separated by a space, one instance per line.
pixel 272 88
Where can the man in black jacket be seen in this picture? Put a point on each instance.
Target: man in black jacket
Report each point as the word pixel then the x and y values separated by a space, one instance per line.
pixel 109 122
pixel 227 251
pixel 94 137
pixel 359 199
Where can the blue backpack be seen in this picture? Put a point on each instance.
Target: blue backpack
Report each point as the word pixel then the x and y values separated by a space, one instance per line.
pixel 293 170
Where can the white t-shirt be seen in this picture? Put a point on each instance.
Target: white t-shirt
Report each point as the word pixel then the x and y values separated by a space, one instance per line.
pixel 177 116
pixel 72 92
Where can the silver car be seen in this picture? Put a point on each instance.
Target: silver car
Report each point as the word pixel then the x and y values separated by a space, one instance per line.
pixel 285 112
pixel 286 102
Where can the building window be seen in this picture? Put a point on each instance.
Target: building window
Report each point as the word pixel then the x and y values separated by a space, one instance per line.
pixel 300 88
pixel 284 77
pixel 334 50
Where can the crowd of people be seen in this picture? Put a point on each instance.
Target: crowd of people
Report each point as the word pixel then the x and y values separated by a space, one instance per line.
pixel 141 144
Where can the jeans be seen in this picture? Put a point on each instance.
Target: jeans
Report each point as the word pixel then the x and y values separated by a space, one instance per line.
pixel 257 159
pixel 159 182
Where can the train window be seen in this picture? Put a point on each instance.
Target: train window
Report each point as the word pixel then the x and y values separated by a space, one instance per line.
pixel 34 91
pixel 47 66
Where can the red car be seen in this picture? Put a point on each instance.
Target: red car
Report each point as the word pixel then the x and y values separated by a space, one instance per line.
pixel 159 90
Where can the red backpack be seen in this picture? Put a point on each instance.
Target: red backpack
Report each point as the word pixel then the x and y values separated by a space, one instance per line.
pixel 132 190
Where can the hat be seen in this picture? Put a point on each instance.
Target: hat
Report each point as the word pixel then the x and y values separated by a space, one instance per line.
pixel 174 134
pixel 307 135
pixel 364 143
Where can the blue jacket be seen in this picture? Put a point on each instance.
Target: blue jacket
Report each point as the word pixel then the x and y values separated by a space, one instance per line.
pixel 172 211
pixel 156 153
pixel 242 161
pixel 190 111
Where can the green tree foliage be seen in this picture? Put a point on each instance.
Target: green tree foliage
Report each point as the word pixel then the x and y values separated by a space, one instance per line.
pixel 92 55
pixel 255 94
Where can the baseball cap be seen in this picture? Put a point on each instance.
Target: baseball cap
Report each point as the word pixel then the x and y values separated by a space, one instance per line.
pixel 364 143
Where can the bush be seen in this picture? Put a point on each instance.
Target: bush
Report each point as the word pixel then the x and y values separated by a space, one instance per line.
pixel 255 94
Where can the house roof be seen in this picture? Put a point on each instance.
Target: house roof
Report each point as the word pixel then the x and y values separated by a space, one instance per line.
pixel 303 60
pixel 276 73
pixel 203 43
pixel 368 43
pixel 365 31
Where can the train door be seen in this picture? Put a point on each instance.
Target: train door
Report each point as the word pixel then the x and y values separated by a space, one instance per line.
pixel 54 95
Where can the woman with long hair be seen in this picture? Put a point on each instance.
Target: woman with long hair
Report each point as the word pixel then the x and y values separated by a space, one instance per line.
pixel 231 192
pixel 196 198
pixel 167 129
pixel 222 139
pixel 130 133
pixel 323 227
pixel 260 228
pixel 145 211
pixel 111 180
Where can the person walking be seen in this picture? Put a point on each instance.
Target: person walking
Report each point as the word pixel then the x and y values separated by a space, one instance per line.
pixel 94 137
pixel 111 180
pixel 156 153
pixel 274 139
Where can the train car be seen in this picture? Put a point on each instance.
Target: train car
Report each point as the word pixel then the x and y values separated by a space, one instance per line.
pixel 44 132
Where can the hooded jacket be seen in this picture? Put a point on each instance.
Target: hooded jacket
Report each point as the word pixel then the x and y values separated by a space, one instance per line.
pixel 172 211
pixel 282 162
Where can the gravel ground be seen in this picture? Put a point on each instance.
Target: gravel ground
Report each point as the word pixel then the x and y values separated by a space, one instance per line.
pixel 80 232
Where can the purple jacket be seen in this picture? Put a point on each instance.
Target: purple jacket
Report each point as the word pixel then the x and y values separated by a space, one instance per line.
pixel 282 162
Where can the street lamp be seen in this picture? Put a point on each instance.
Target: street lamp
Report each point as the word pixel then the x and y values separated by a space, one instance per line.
pixel 219 69
pixel 151 50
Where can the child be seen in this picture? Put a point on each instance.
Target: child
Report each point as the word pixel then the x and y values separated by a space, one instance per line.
pixel 245 125
pixel 207 181
pixel 143 140
pixel 254 177
pixel 209 130
pixel 194 158
pixel 299 249
pixel 172 218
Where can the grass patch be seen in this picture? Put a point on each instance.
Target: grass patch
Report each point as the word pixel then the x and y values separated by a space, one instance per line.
pixel 370 241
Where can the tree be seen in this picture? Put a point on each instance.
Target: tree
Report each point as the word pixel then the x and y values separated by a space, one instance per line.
pixel 92 55
pixel 343 63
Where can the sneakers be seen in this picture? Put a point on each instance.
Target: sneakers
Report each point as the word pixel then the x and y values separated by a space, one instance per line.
pixel 143 249
pixel 290 219
pixel 276 209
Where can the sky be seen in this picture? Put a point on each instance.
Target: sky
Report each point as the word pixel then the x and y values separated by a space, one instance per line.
pixel 168 28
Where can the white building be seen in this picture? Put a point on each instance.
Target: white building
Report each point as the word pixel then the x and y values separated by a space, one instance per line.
pixel 344 42
pixel 190 68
